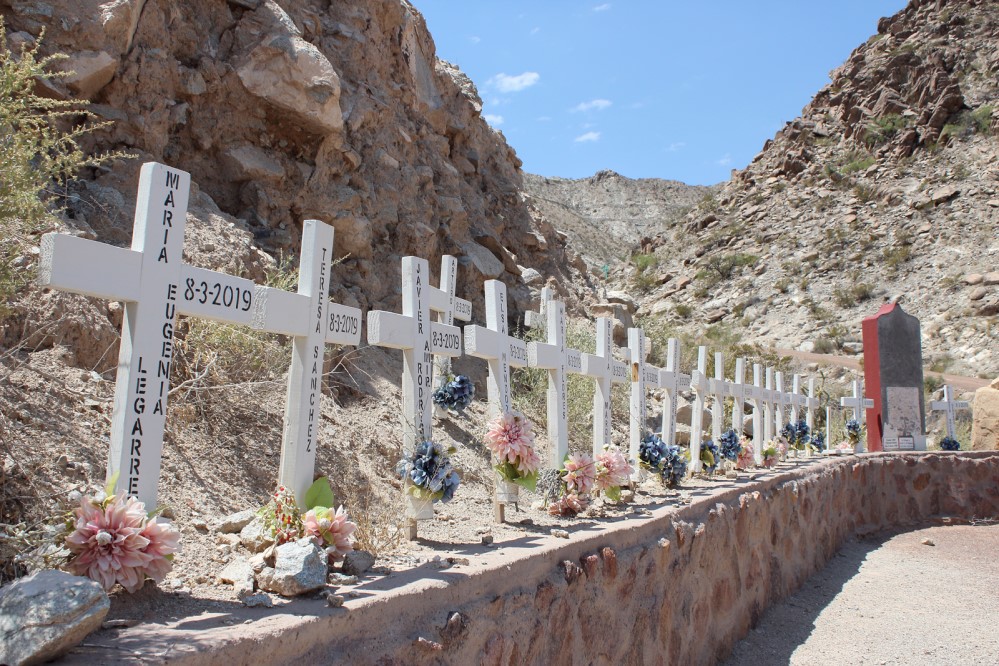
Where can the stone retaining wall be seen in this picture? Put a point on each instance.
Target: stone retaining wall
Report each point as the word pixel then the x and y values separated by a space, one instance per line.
pixel 676 587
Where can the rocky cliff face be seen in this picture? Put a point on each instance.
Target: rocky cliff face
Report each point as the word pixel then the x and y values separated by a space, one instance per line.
pixel 885 187
pixel 606 214
pixel 284 111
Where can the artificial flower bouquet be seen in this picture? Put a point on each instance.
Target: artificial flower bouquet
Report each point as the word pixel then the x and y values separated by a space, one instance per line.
pixel 729 447
pixel 429 476
pixel 666 460
pixel 510 436
pixel 327 527
pixel 950 444
pixel 455 394
pixel 747 455
pixel 613 470
pixel 568 489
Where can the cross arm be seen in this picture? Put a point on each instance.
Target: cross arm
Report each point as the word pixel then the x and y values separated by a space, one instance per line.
pixel 445 340
pixel 82 266
pixel 482 342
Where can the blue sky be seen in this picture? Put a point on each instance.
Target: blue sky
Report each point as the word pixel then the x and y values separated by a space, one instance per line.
pixel 649 88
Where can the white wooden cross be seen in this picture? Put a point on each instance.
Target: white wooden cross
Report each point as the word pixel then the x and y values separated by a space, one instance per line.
pixel 780 399
pixel 672 380
pixel 420 339
pixel 313 321
pixel 699 384
pixel 447 307
pixel 539 319
pixel 605 370
pixel 718 389
pixel 949 406
pixel 811 404
pixel 559 361
pixel 759 400
pixel 643 377
pixel 502 351
pixel 769 397
pixel 740 391
pixel 859 404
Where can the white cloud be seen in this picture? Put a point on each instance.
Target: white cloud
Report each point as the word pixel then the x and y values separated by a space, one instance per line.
pixel 493 119
pixel 589 136
pixel 602 8
pixel 507 83
pixel 535 31
pixel 592 105
pixel 725 160
pixel 673 147
pixel 544 119
pixel 475 39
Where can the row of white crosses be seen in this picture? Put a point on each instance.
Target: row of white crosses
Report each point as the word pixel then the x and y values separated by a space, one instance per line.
pixel 155 285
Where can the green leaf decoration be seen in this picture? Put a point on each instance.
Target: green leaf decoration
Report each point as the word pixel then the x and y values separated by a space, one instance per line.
pixel 707 458
pixel 319 494
pixel 530 482
pixel 112 482
pixel 614 493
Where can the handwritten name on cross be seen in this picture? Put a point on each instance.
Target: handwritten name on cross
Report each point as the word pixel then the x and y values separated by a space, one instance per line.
pixel 447 307
pixel 858 403
pixel 643 377
pixel 949 406
pixel 313 321
pixel 718 389
pixel 605 370
pixel 672 381
pixel 420 339
pixel 699 384
pixel 559 361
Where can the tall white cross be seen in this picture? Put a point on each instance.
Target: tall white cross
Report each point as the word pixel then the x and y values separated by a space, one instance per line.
pixel 829 447
pixel 699 384
pixel 740 391
pixel 313 321
pixel 605 370
pixel 811 404
pixel 643 377
pixel 672 381
pixel 858 403
pixel 769 397
pixel 539 319
pixel 949 406
pixel 447 307
pixel 759 413
pixel 501 351
pixel 719 389
pixel 420 339
pixel 559 361
pixel 780 399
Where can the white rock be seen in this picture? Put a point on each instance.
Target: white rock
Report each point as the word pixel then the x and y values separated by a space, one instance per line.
pixel 47 613
pixel 299 567
pixel 92 70
pixel 253 536
pixel 483 260
pixel 235 522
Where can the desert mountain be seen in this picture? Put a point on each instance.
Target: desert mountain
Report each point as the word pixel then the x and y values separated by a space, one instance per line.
pixel 607 212
pixel 886 187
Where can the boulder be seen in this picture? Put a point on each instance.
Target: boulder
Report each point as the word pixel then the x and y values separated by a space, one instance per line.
pixel 356 562
pixel 235 522
pixel 299 567
pixel 90 71
pixel 254 537
pixel 531 277
pixel 47 613
pixel 239 574
pixel 251 163
pixel 991 278
pixel 985 415
pixel 621 298
pixel 482 260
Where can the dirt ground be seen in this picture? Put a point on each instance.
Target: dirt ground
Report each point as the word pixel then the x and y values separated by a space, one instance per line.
pixel 890 599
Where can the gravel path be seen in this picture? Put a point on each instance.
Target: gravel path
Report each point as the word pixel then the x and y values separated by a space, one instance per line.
pixel 890 599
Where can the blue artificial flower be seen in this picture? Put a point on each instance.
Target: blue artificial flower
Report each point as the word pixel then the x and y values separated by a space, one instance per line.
pixel 430 469
pixel 789 432
pixel 674 466
pixel 455 395
pixel 712 448
pixel 730 445
pixel 802 432
pixel 651 451
pixel 853 429
pixel 818 441
pixel 950 444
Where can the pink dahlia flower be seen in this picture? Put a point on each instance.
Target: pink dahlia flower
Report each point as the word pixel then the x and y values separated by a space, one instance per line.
pixel 746 455
pixel 107 543
pixel 613 469
pixel 164 541
pixel 580 473
pixel 332 529
pixel 568 505
pixel 510 437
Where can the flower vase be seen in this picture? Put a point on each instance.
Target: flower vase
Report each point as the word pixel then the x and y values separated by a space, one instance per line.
pixel 507 492
pixel 419 508
pixel 858 446
pixel 768 462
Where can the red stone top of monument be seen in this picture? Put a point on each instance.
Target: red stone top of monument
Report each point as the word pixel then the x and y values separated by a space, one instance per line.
pixel 882 311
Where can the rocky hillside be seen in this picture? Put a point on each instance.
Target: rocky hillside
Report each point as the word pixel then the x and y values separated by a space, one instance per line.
pixel 607 212
pixel 284 111
pixel 886 187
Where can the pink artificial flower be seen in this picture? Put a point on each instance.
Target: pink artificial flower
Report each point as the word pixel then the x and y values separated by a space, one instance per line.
pixel 330 529
pixel 510 437
pixel 746 455
pixel 164 540
pixel 569 505
pixel 613 469
pixel 108 545
pixel 580 473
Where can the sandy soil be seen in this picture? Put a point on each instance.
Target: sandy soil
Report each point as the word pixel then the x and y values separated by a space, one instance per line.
pixel 890 599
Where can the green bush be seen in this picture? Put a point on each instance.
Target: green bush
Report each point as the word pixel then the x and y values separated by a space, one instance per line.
pixel 39 153
pixel 883 129
pixel 643 262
